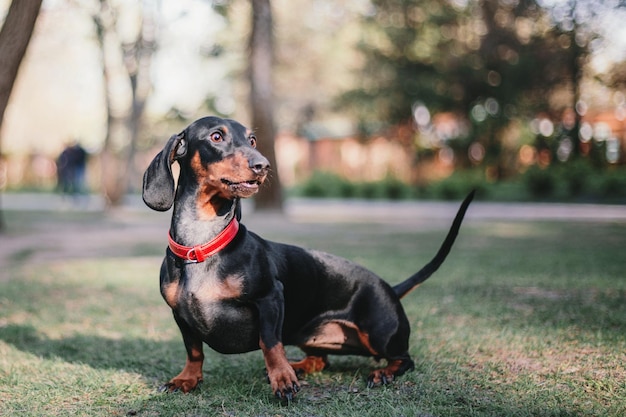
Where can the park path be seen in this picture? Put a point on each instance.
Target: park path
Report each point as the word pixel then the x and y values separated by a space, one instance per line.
pixel 120 232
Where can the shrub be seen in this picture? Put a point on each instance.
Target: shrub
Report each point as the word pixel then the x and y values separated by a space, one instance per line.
pixel 458 185
pixel 576 175
pixel 389 188
pixel 326 184
pixel 394 189
pixel 368 190
pixel 576 180
pixel 613 185
pixel 541 183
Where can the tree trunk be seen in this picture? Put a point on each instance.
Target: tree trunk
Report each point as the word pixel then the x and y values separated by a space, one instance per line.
pixel 138 60
pixel 14 38
pixel 576 66
pixel 261 98
pixel 118 170
pixel 111 170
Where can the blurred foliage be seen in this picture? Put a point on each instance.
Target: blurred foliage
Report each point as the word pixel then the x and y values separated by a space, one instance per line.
pixel 578 181
pixel 450 57
pixel 540 182
pixel 329 185
pixel 491 63
pixel 492 67
pixel 616 78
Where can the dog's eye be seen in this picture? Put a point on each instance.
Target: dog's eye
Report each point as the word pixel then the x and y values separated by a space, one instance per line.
pixel 252 141
pixel 216 137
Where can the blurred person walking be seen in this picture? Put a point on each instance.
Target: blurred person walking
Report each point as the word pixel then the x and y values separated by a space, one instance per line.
pixel 71 167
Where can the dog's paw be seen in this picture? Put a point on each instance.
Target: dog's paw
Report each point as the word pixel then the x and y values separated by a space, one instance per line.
pixel 284 383
pixel 379 377
pixel 287 393
pixel 180 385
pixel 394 369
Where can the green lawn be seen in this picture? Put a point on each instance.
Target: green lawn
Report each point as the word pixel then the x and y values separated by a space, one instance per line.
pixel 524 319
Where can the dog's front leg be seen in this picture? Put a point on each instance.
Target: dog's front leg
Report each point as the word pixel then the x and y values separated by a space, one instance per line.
pixel 281 375
pixel 191 374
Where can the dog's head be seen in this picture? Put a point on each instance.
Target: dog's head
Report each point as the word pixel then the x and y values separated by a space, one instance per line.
pixel 217 155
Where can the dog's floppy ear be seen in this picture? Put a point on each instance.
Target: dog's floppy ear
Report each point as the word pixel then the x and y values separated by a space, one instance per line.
pixel 158 181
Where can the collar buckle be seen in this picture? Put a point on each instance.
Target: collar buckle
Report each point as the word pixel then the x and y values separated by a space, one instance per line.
pixel 192 256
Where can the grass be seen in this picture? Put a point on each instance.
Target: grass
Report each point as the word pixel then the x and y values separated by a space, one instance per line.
pixel 524 319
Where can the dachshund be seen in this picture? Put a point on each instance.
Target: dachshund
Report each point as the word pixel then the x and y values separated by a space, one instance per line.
pixel 237 292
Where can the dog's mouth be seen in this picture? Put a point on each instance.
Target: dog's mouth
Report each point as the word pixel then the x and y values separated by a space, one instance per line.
pixel 242 188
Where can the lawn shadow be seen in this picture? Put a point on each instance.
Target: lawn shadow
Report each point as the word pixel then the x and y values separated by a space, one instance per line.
pixel 155 361
pixel 152 359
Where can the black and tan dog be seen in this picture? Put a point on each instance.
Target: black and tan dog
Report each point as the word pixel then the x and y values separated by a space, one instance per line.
pixel 237 292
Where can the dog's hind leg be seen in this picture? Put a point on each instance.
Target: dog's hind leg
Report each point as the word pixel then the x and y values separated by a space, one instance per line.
pixel 310 364
pixel 394 368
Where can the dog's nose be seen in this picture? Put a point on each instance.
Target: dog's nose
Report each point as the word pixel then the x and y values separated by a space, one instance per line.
pixel 259 164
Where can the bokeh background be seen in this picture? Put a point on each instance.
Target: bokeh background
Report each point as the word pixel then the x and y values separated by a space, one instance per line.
pixel 521 99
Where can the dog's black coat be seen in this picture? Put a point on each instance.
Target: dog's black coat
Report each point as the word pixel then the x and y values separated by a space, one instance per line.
pixel 261 294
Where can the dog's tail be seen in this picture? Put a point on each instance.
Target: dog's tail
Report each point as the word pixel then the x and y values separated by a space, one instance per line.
pixel 414 280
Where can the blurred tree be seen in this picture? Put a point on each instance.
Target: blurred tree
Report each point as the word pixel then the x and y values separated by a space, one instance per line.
pixel 522 63
pixel 577 41
pixel 616 77
pixel 489 61
pixel 405 53
pixel 577 21
pixel 119 173
pixel 260 72
pixel 257 73
pixel 137 54
pixel 14 38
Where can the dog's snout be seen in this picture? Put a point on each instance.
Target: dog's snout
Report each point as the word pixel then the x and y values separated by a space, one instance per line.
pixel 259 164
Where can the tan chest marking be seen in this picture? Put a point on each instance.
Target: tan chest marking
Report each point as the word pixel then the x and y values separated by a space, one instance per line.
pixel 211 291
pixel 170 293
pixel 216 290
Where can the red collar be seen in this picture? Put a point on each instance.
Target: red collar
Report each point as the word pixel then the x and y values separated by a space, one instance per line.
pixel 200 252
